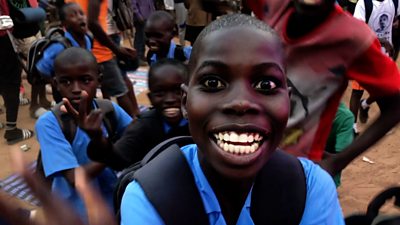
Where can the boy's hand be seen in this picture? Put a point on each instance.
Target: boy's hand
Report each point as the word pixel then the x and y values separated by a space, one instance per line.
pixel 124 53
pixel 91 123
pixel 56 211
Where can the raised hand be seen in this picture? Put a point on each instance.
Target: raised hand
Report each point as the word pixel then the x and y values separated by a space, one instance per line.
pixel 89 122
pixel 56 211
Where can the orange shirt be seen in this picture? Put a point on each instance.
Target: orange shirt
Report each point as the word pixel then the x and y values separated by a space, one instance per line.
pixel 102 53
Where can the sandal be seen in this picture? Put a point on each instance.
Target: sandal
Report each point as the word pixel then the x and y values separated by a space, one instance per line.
pixel 16 135
pixel 23 100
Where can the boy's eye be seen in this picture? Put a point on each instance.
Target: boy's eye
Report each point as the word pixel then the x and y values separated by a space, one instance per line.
pixel 65 82
pixel 213 83
pixel 265 85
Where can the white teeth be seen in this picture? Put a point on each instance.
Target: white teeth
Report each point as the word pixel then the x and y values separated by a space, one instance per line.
pixel 243 138
pixel 250 138
pixel 226 137
pixel 233 137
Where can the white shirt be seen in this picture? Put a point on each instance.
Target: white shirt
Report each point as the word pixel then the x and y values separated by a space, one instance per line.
pixel 381 19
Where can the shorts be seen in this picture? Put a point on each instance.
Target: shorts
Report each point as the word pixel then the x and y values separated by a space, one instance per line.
pixel 112 82
pixel 356 86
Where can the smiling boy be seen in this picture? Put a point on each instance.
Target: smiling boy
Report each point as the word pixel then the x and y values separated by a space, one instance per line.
pixel 237 103
pixel 159 30
pixel 162 122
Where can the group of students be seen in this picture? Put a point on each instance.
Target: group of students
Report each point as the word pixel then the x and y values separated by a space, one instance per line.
pixel 233 98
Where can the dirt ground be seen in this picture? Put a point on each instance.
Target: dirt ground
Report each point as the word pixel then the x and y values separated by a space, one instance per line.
pixel 360 181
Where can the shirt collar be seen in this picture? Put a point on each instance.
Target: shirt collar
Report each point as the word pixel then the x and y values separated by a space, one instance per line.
pixel 170 55
pixel 167 127
pixel 74 43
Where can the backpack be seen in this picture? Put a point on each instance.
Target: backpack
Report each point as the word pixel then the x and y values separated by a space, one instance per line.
pixel 69 127
pixel 372 217
pixel 122 14
pixel 181 204
pixel 369 7
pixel 36 50
pixel 178 54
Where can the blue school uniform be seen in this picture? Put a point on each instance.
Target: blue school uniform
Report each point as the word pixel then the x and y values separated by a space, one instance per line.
pixel 322 205
pixel 45 64
pixel 187 50
pixel 58 155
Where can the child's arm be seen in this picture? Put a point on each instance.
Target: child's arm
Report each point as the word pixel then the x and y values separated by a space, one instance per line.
pixel 100 34
pixel 92 170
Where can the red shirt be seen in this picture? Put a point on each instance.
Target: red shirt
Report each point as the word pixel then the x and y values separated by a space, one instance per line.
pixel 319 65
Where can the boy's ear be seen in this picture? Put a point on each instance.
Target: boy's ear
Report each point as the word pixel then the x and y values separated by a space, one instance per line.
pixel 184 88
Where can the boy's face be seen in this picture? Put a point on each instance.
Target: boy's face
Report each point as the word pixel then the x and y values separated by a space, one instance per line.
pixel 75 19
pixel 72 79
pixel 237 100
pixel 158 35
pixel 165 92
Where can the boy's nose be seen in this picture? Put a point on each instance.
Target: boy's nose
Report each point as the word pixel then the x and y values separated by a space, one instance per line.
pixel 170 97
pixel 241 102
pixel 76 88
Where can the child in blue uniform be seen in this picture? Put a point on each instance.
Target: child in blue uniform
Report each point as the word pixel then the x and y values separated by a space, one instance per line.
pixel 237 105
pixel 77 77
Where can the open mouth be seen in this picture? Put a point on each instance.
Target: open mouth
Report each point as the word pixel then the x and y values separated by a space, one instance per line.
pixel 239 143
pixel 83 25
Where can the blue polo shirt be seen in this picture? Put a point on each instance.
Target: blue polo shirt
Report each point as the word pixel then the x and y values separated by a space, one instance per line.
pixel 45 64
pixel 58 155
pixel 322 204
pixel 187 50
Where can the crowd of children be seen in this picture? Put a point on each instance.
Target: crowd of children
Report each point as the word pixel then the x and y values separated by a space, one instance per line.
pixel 230 93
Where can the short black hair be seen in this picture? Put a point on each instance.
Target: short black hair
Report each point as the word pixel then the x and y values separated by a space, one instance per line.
pixel 62 12
pixel 164 16
pixel 229 21
pixel 164 62
pixel 74 55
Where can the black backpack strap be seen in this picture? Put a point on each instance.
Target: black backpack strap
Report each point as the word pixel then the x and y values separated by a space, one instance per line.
pixel 396 6
pixel 66 122
pixel 368 9
pixel 179 54
pixel 279 192
pixel 171 167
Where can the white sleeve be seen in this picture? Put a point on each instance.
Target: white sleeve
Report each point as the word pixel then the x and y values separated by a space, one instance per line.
pixel 359 11
pixel 398 8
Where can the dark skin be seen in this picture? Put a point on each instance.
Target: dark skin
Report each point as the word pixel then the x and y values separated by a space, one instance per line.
pixel 75 22
pixel 100 34
pixel 250 98
pixel 77 83
pixel 164 95
pixel 305 19
pixel 159 33
pixel 55 210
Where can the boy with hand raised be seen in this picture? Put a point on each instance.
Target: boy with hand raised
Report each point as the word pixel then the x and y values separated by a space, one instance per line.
pixel 77 78
pixel 237 103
